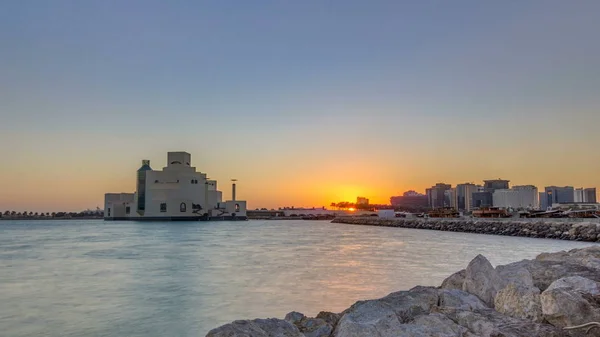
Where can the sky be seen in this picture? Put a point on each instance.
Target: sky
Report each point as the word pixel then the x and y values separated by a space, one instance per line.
pixel 304 102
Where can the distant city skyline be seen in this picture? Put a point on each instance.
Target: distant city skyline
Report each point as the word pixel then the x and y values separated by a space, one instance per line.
pixel 306 103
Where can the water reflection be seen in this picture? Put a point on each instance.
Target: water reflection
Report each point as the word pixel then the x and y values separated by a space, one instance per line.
pixel 182 279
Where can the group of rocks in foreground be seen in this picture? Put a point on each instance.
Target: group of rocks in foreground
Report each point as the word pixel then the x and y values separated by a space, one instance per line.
pixel 548 229
pixel 537 297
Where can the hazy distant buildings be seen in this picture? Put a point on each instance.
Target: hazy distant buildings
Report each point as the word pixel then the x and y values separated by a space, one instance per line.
pixel 450 197
pixel 519 197
pixel 464 196
pixel 361 201
pixel 498 193
pixel 437 196
pixel 410 199
pixel 483 199
pixel 557 195
pixel 589 195
pixel 496 184
pixel 585 195
pixel 578 195
pixel 529 196
pixel 543 201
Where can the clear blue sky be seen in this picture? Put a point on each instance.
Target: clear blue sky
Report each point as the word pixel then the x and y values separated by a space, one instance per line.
pixel 304 101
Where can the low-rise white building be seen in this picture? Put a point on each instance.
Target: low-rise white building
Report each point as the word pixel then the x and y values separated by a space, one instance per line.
pixel 177 192
pixel 386 213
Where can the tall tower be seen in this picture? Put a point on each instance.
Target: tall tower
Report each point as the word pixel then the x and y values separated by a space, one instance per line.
pixel 141 186
pixel 233 189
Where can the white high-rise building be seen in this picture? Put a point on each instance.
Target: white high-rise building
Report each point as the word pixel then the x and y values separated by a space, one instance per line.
pixel 525 197
pixel 177 192
pixel 578 195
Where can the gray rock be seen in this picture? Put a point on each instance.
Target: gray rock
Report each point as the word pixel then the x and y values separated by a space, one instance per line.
pixel 294 317
pixel 490 323
pixel 516 274
pixel 314 327
pixel 257 328
pixel 588 257
pixel 520 302
pixel 578 284
pixel 368 318
pixel 454 281
pixel 482 280
pixel 385 316
pixel 433 325
pixel 545 272
pixel 571 301
pixel 408 304
pixel 458 299
pixel 329 317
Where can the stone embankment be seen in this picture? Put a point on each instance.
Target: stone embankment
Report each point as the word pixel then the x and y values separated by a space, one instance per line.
pixel 539 297
pixel 549 229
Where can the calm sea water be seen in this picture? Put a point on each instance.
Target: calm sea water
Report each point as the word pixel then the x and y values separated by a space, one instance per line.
pixel 95 278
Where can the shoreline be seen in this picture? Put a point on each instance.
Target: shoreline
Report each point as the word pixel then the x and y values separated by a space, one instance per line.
pixel 587 230
pixel 50 218
pixel 555 295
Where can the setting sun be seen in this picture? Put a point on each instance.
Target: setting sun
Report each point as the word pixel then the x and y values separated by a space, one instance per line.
pixel 352 209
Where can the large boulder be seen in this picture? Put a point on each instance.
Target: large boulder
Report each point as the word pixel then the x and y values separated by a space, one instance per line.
pixel 416 301
pixel 571 301
pixel 294 317
pixel 313 327
pixel 368 318
pixel 433 325
pixel 482 280
pixel 454 281
pixel 490 323
pixel 516 274
pixel 520 302
pixel 544 272
pixel 578 284
pixel 588 257
pixel 458 299
pixel 386 316
pixel 257 328
pixel 329 317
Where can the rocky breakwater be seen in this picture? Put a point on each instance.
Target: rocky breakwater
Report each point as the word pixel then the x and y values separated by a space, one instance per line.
pixel 539 297
pixel 563 230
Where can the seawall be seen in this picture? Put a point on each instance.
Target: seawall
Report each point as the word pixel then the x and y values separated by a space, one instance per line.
pixel 562 229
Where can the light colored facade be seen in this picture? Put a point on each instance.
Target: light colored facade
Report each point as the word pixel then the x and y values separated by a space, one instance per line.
pixel 450 196
pixel 464 196
pixel 528 196
pixel 386 213
pixel 519 197
pixel 585 195
pixel 177 192
pixel 578 195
